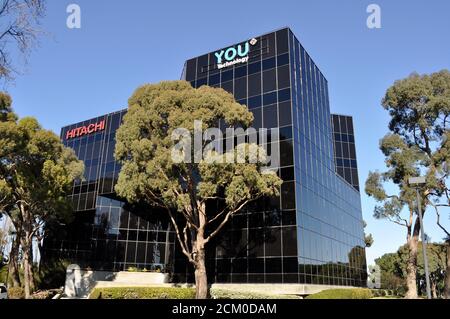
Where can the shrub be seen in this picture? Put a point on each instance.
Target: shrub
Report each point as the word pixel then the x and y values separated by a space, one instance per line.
pixel 228 294
pixel 142 293
pixel 376 292
pixel 16 293
pixel 386 293
pixel 51 274
pixel 45 294
pixel 357 293
pixel 155 269
pixel 3 273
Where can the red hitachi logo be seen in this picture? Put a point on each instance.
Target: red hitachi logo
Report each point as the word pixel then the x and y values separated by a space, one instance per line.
pixel 85 130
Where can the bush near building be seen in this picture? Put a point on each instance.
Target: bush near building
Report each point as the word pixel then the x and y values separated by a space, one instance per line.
pixel 358 293
pixel 16 293
pixel 51 274
pixel 142 293
pixel 386 293
pixel 176 293
pixel 3 273
pixel 227 294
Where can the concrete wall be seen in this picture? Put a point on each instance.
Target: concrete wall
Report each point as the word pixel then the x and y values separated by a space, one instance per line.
pixel 277 289
pixel 79 282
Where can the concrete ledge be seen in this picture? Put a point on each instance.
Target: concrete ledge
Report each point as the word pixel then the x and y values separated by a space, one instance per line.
pixel 110 284
pixel 140 278
pixel 79 282
pixel 272 289
pixel 278 289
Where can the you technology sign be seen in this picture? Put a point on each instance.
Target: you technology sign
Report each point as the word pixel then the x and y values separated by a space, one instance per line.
pixel 85 130
pixel 234 55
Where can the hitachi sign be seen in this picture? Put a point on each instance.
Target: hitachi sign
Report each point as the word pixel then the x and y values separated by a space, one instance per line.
pixel 85 130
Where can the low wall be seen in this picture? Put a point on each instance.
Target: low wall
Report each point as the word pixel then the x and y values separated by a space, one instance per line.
pixel 79 282
pixel 277 289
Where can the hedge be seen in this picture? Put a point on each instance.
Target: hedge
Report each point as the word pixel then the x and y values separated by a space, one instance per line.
pixel 51 274
pixel 228 294
pixel 176 293
pixel 142 293
pixel 357 293
pixel 16 293
pixel 386 293
pixel 3 273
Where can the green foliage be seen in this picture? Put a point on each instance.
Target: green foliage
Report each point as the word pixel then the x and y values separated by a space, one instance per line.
pixel 368 240
pixel 6 113
pixel 390 263
pixel 205 192
pixel 378 293
pixel 16 293
pixel 437 265
pixel 357 293
pixel 144 147
pixel 393 267
pixel 436 254
pixel 52 274
pixel 418 143
pixel 42 295
pixel 3 273
pixel 36 175
pixel 3 242
pixel 46 294
pixel 176 293
pixel 36 168
pixel 228 294
pixel 142 293
pixel 152 269
pixel 417 103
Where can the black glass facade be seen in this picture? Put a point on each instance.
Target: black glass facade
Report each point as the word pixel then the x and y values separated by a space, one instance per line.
pixel 311 234
pixel 344 149
pixel 107 233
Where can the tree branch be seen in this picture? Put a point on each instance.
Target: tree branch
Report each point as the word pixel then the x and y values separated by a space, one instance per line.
pixel 227 217
pixel 184 248
pixel 438 215
pixel 404 224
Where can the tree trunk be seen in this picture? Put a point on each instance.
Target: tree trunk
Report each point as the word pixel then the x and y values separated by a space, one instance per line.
pixel 13 273
pixel 26 271
pixel 411 265
pixel 434 289
pixel 27 263
pixel 13 267
pixel 201 280
pixel 411 269
pixel 30 269
pixel 447 274
pixel 27 245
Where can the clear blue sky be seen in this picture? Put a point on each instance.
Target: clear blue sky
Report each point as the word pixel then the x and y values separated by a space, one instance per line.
pixel 78 74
